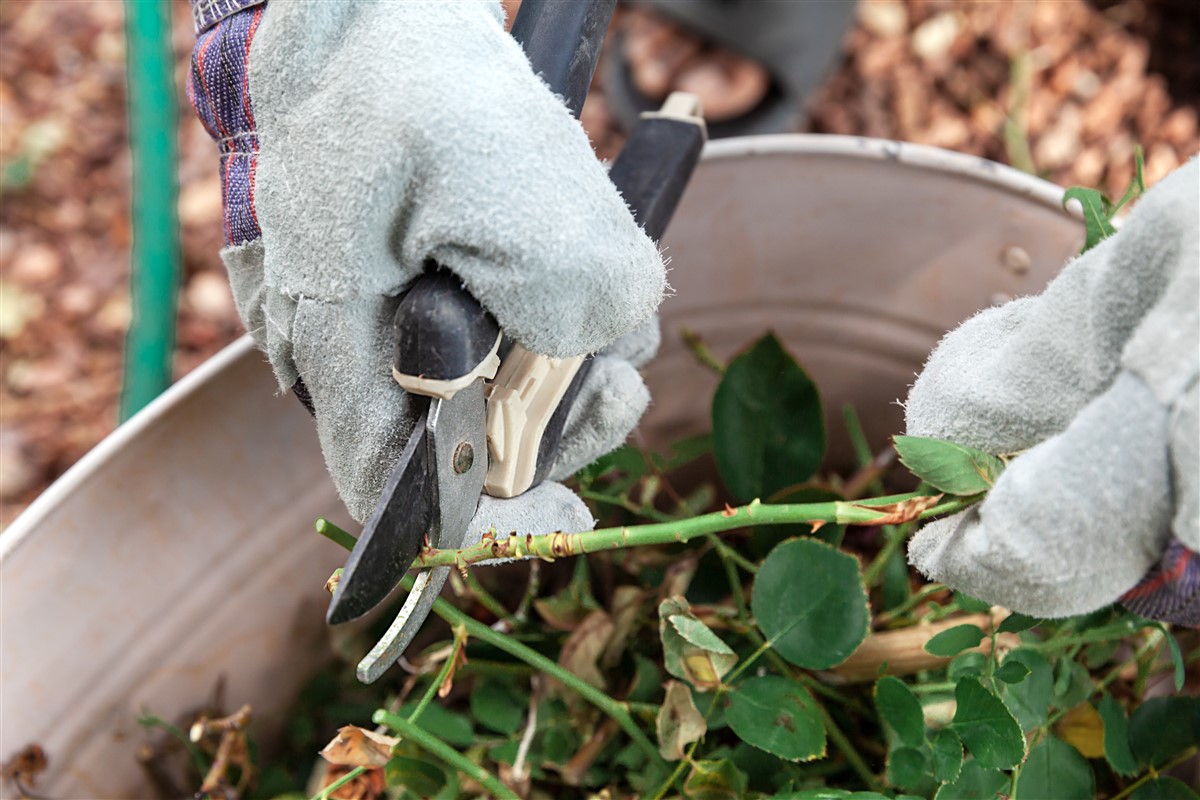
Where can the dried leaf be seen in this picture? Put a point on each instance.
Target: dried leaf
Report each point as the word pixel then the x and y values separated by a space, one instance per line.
pixel 679 723
pixel 460 658
pixel 358 747
pixel 582 649
pixel 626 607
pixel 902 512
pixel 565 610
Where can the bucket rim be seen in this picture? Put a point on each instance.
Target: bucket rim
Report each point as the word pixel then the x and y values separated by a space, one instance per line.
pixel 112 444
pixel 928 157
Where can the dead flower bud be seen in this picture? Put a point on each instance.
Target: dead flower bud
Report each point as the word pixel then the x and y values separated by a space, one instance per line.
pixel 370 785
pixel 332 584
pixel 357 747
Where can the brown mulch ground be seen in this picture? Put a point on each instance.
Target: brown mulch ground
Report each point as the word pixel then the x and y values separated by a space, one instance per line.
pixel 1065 89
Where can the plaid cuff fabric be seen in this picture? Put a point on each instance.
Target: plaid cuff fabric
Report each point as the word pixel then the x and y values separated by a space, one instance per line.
pixel 1171 591
pixel 207 13
pixel 218 89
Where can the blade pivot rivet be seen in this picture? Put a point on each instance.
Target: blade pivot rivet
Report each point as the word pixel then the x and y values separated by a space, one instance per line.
pixel 464 457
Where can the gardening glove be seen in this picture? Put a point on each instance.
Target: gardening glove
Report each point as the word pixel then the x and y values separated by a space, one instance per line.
pixel 1094 383
pixel 388 136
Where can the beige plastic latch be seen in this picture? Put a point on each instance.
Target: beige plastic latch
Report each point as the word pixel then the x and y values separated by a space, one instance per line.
pixel 446 389
pixel 527 390
pixel 681 106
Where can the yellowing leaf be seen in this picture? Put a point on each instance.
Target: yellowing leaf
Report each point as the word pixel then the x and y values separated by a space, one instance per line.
pixel 357 747
pixel 1083 729
pixel 690 649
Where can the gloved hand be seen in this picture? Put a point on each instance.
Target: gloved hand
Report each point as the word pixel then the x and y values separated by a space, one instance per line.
pixel 1096 381
pixel 396 134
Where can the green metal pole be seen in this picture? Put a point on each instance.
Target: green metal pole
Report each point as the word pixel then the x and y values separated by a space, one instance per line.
pixel 154 279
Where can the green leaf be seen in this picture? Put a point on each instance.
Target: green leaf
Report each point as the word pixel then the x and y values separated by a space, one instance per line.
pixel 777 715
pixel 1012 672
pixel 1137 185
pixel 970 605
pixel 974 783
pixel 1029 700
pixel 1095 215
pixel 1116 737
pixel 901 710
pixel 1073 684
pixel 810 602
pixel 907 768
pixel 836 794
pixel 954 640
pixel 947 755
pixel 1164 789
pixel 450 726
pixel 1055 769
pixel 894 590
pixel 767 422
pixel 1015 623
pixel 422 778
pixel 626 461
pixel 716 717
pixel 1163 727
pixel 647 680
pixel 495 704
pixel 967 665
pixel 986 726
pixel 1176 655
pixel 1098 654
pixel 678 723
pixel 947 466
pixel 767 773
pixel 691 650
pixel 715 780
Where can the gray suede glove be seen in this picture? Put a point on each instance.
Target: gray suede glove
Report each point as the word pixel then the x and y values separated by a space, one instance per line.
pixel 393 134
pixel 1096 381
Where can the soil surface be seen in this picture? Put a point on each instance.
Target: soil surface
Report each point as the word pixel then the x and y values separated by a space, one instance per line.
pixel 1065 89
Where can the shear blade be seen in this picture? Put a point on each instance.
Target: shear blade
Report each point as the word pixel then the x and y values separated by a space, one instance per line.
pixel 392 537
pixel 456 443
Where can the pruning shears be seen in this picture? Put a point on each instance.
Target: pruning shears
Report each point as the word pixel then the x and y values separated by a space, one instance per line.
pixel 491 414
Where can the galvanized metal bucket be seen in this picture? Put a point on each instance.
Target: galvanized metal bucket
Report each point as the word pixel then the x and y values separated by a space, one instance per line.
pixel 180 552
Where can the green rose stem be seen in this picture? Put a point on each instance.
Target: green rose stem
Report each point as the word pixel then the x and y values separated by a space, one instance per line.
pixel 432 744
pixel 1153 774
pixel 615 709
pixel 459 641
pixel 564 545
